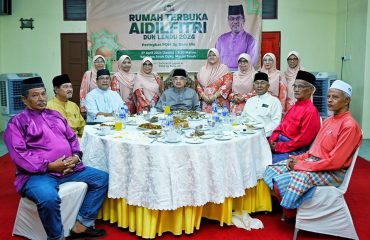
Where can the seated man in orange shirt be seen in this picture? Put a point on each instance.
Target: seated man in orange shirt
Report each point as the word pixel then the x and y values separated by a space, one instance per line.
pixel 327 160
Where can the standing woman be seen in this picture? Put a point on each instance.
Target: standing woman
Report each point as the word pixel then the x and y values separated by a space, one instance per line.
pixel 214 81
pixel 294 65
pixel 123 82
pixel 147 86
pixel 89 79
pixel 242 86
pixel 278 85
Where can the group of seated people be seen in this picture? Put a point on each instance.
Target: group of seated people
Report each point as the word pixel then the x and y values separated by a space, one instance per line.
pixel 214 83
pixel 44 145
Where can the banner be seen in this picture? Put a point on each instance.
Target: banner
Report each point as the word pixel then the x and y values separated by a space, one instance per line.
pixel 175 33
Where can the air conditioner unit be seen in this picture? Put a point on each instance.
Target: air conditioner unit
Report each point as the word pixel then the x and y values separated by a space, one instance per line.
pixel 11 91
pixel 322 84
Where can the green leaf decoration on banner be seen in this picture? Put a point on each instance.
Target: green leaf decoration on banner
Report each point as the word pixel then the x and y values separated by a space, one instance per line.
pixel 106 42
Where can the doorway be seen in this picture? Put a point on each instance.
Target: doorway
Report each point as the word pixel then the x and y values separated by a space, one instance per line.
pixel 271 43
pixel 74 60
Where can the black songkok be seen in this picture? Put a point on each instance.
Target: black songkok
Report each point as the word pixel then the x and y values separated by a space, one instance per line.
pixel 179 72
pixel 236 10
pixel 102 72
pixel 261 76
pixel 306 76
pixel 61 79
pixel 29 83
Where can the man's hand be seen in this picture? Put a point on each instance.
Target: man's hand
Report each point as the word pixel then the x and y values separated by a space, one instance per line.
pixel 291 163
pixel 63 165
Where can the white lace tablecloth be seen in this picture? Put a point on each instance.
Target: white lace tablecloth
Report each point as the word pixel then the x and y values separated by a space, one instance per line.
pixel 167 176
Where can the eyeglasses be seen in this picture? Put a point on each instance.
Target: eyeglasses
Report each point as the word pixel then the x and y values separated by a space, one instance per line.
pixel 235 18
pixel 292 59
pixel 268 60
pixel 147 64
pixel 179 79
pixel 242 61
pixel 104 78
pixel 300 86
pixel 258 82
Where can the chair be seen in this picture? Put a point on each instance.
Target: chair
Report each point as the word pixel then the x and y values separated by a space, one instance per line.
pixel 327 211
pixel 28 223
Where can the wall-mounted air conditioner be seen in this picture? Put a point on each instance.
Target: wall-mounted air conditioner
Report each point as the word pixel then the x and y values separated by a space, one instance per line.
pixel 11 91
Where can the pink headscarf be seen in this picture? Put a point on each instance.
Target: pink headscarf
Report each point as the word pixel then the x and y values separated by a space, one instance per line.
pixel 92 80
pixel 210 73
pixel 124 77
pixel 274 75
pixel 243 82
pixel 147 82
pixel 291 73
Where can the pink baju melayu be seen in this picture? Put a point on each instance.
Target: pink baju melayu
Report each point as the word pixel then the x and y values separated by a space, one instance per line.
pixel 147 88
pixel 242 85
pixel 88 82
pixel 290 74
pixel 213 78
pixel 123 84
pixel 278 85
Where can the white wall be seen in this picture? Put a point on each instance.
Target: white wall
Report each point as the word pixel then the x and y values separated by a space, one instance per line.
pixel 308 27
pixel 36 50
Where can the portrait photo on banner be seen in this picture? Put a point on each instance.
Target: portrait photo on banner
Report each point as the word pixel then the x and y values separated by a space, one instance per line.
pixel 174 33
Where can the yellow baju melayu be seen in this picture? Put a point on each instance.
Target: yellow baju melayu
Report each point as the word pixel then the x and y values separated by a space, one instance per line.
pixel 71 112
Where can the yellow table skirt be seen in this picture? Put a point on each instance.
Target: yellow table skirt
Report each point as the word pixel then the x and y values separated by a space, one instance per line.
pixel 148 223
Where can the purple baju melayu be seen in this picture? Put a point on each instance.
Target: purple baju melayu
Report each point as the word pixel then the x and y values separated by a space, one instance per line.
pixel 231 45
pixel 34 139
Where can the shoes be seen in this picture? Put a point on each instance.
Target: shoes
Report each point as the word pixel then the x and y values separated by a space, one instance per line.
pixel 89 233
pixel 244 220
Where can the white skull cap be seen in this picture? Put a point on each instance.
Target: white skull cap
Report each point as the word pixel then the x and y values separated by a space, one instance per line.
pixel 343 86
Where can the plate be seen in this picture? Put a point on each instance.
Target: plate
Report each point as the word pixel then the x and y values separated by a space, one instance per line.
pixel 189 134
pixel 195 119
pixel 194 141
pixel 207 136
pixel 107 124
pixel 258 126
pixel 223 137
pixel 172 141
pixel 152 135
pixel 148 129
pixel 203 128
pixel 247 132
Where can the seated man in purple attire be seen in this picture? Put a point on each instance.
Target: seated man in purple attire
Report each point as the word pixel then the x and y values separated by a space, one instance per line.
pixel 237 41
pixel 47 153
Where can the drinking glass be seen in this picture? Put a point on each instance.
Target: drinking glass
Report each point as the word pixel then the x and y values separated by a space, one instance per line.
pixel 167 110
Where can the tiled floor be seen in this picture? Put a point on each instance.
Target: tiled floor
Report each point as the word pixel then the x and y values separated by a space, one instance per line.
pixel 364 149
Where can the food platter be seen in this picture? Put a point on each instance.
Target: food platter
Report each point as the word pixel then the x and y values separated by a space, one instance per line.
pixel 149 126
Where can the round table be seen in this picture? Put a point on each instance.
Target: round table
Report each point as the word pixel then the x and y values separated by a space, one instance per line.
pixel 164 177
